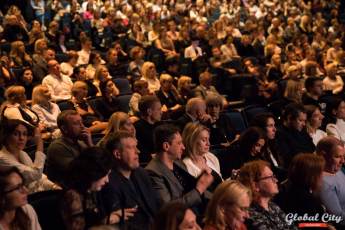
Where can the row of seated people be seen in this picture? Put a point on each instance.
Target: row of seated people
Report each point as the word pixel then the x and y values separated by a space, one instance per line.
pixel 106 185
pixel 290 139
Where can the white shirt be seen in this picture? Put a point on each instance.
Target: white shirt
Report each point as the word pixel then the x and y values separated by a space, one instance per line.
pixel 335 85
pixel 211 161
pixel 30 212
pixel 48 118
pixel 192 52
pixel 13 112
pixel 317 136
pixel 84 57
pixel 66 69
pixel 337 130
pixel 60 88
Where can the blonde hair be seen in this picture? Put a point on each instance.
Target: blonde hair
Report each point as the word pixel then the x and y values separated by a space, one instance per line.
pixel 17 55
pixel 165 77
pixel 190 136
pixel 227 193
pixel 37 48
pixel 77 86
pixel 37 94
pixel 291 90
pixel 183 80
pixel 115 124
pixel 13 94
pixel 145 69
pixel 98 72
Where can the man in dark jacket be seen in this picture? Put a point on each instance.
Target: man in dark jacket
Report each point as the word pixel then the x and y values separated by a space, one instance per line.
pixel 129 186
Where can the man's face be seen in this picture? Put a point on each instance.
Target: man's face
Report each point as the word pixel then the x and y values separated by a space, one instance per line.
pixel 155 111
pixel 74 126
pixel 129 155
pixel 299 122
pixel 317 88
pixel 49 55
pixel 176 147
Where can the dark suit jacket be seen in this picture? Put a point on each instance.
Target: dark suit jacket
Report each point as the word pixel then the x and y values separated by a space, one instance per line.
pixel 168 186
pixel 122 193
pixel 183 121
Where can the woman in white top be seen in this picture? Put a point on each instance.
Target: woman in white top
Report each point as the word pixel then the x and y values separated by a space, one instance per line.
pixel 335 112
pixel 198 157
pixel 14 136
pixel 15 106
pixel 314 122
pixel 14 207
pixel 66 68
pixel 46 110
pixel 332 82
pixel 149 74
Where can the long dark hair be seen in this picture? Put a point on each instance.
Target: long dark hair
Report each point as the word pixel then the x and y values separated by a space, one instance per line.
pixel 91 165
pixel 21 219
pixel 8 126
pixel 170 216
pixel 249 138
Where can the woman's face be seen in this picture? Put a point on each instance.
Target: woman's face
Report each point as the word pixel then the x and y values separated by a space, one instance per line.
pixel 189 221
pixel 151 73
pixel 15 192
pixel 129 127
pixel 98 184
pixel 187 85
pixel 46 93
pixel 214 111
pixel 270 128
pixel 167 84
pixel 103 74
pixel 19 137
pixel 256 149
pixel 82 74
pixel 111 87
pixel 316 119
pixel 341 111
pixel 267 183
pixel 203 142
pixel 97 59
pixel 27 76
pixel 336 160
pixel 236 214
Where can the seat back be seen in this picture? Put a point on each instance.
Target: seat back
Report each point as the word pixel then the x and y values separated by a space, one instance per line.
pixel 251 111
pixel 123 102
pixel 123 85
pixel 237 120
pixel 46 205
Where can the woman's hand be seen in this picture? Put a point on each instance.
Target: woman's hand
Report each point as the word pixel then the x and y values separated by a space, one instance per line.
pixel 115 217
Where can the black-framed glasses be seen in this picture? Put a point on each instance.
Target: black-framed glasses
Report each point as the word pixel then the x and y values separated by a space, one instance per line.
pixel 20 187
pixel 273 178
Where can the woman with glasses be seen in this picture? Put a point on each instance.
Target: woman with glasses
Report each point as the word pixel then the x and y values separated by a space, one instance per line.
pixel 228 208
pixel 263 213
pixel 15 212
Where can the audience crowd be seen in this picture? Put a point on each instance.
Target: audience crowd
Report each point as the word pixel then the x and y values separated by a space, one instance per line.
pixel 156 114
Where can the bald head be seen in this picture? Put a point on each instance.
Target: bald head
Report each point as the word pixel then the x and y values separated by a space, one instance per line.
pixel 196 107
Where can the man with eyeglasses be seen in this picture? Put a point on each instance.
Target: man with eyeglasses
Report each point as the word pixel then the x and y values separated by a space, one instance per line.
pixel 263 213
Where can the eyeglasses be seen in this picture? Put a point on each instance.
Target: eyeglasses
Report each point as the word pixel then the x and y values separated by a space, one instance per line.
pixel 20 187
pixel 273 178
